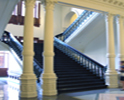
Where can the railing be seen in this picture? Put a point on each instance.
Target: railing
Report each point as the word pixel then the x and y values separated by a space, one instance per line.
pixel 76 24
pixel 9 39
pixel 82 59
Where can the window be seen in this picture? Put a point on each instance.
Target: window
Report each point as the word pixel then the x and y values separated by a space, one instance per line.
pixel 19 13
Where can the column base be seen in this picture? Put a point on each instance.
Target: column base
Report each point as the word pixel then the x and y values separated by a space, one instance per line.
pixel 112 80
pixel 28 86
pixel 49 84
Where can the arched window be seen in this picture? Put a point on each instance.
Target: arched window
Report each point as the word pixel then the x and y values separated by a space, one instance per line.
pixel 19 13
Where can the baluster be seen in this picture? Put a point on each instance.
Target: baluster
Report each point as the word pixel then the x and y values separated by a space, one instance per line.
pixel 98 71
pixel 91 65
pixel 102 72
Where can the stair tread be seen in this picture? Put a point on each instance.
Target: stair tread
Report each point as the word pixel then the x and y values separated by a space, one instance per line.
pixel 80 84
pixel 82 88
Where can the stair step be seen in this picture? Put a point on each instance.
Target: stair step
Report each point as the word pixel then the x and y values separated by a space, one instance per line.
pixel 81 88
pixel 68 73
pixel 75 81
pixel 79 84
pixel 78 78
pixel 74 75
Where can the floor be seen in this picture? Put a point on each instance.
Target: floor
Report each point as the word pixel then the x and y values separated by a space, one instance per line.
pixel 9 90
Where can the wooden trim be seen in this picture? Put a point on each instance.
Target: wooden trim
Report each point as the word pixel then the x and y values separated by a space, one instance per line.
pixel 19 19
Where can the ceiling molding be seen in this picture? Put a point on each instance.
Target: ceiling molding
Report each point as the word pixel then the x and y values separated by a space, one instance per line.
pixel 117 3
pixel 108 6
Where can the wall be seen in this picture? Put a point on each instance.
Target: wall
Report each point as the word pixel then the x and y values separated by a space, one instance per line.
pixel 4 47
pixel 17 30
pixel 57 19
pixel 97 49
pixel 6 8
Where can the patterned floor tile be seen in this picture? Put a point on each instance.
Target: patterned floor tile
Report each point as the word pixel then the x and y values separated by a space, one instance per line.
pixel 120 98
pixel 110 96
pixel 87 97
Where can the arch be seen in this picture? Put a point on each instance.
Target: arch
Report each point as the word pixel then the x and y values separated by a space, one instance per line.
pixel 67 19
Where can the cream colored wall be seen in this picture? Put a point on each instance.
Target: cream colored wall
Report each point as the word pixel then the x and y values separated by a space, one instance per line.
pixel 57 19
pixel 65 11
pixel 73 18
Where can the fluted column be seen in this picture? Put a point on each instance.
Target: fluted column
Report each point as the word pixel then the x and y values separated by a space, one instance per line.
pixel 121 38
pixel 48 76
pixel 28 78
pixel 111 74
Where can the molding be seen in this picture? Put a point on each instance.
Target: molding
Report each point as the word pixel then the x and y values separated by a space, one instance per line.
pixel 30 2
pixel 116 7
pixel 117 3
pixel 49 4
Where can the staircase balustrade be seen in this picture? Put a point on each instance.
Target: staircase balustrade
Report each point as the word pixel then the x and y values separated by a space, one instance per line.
pixel 82 59
pixel 10 40
pixel 76 24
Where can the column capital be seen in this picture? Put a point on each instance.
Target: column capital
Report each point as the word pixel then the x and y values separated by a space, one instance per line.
pixel 120 19
pixel 30 2
pixel 109 16
pixel 120 16
pixel 49 4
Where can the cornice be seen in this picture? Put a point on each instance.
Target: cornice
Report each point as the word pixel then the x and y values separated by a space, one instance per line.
pixel 117 3
pixel 115 7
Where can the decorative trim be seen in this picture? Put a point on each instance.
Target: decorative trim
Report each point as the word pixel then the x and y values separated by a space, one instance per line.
pixel 49 4
pixel 118 3
pixel 30 2
pixel 114 6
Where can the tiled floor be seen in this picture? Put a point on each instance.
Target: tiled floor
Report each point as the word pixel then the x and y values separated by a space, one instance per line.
pixel 9 90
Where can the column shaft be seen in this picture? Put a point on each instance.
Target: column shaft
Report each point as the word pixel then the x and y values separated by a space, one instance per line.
pixel 120 39
pixel 28 79
pixel 111 74
pixel 49 77
pixel 48 41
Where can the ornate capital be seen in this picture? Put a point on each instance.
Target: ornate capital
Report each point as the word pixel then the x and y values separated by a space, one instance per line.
pixel 30 2
pixel 109 16
pixel 49 4
pixel 121 17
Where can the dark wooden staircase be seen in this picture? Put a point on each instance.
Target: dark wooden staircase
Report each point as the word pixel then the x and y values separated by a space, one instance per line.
pixel 72 76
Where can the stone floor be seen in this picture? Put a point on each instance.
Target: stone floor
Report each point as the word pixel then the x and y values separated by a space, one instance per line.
pixel 9 90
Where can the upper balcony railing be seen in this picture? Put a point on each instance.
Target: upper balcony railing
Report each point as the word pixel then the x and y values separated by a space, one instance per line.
pixel 76 24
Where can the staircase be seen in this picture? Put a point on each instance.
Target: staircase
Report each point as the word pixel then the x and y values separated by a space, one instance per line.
pixel 75 71
pixel 73 76
pixel 13 43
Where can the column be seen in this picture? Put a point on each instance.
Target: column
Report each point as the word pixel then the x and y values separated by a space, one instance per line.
pixel 111 74
pixel 48 76
pixel 28 78
pixel 120 39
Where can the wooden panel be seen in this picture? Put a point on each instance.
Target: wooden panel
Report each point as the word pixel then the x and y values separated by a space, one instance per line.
pixel 3 72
